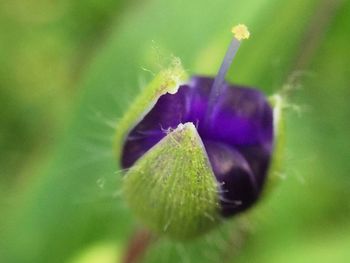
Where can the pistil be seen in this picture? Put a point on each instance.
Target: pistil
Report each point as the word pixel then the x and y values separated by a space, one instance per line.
pixel 240 32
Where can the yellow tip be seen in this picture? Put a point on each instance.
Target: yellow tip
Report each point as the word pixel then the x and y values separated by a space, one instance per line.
pixel 240 32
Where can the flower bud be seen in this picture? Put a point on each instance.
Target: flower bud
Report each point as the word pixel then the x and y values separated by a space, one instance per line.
pixel 185 171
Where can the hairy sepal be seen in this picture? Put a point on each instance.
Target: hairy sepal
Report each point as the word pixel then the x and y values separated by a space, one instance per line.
pixel 172 189
pixel 276 167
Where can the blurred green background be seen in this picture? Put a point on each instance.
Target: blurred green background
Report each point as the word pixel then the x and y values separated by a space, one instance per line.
pixel 68 71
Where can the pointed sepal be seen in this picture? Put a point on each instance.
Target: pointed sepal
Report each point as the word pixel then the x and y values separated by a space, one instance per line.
pixel 172 188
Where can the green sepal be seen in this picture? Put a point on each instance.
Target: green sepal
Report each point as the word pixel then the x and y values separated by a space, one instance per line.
pixel 167 81
pixel 172 189
pixel 276 167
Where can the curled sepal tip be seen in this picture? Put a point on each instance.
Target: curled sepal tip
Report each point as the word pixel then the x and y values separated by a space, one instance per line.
pixel 167 81
pixel 172 188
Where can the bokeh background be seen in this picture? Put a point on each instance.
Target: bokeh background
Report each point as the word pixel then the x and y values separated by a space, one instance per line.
pixel 68 71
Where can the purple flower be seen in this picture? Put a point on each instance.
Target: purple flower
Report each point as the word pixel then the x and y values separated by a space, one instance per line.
pixel 237 135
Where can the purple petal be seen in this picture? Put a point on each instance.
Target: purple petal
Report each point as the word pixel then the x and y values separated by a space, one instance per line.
pixel 237 183
pixel 169 111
